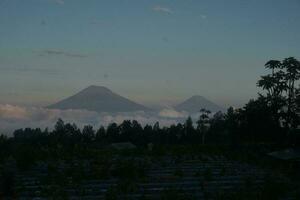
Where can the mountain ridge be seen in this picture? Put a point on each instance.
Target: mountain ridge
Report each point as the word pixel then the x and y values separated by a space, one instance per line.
pixel 99 99
pixel 197 102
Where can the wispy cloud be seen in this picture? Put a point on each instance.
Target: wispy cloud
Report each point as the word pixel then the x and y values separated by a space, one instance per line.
pixel 25 69
pixel 162 9
pixel 99 22
pixel 60 2
pixel 60 53
pixel 203 16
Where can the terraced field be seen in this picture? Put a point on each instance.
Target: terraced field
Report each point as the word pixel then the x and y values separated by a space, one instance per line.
pixel 200 177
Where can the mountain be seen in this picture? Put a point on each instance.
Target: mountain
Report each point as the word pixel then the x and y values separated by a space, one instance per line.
pixel 99 99
pixel 195 103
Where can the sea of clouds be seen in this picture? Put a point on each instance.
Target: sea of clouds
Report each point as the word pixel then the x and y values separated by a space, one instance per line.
pixel 14 117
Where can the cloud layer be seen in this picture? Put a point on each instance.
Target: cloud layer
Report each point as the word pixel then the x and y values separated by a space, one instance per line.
pixel 171 113
pixel 13 117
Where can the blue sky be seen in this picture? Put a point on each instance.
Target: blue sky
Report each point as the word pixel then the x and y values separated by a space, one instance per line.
pixel 154 52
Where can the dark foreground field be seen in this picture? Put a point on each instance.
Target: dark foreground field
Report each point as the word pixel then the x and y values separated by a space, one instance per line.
pixel 174 172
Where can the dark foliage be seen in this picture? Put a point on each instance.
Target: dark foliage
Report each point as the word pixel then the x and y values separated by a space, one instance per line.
pixel 272 118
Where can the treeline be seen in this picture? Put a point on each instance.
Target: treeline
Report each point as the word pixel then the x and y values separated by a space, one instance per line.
pixel 271 118
pixel 251 124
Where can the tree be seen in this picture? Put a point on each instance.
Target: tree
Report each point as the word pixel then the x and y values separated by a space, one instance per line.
pixel 71 131
pixel 259 121
pixel 232 123
pixel 113 133
pixel 292 67
pixel 217 128
pixel 273 64
pixel 281 89
pixel 298 100
pixel 188 125
pixel 88 133
pixel 100 134
pixel 137 130
pixel 203 123
pixel 274 83
pixel 125 130
pixel 156 133
pixel 188 131
pixel 59 126
pixel 156 127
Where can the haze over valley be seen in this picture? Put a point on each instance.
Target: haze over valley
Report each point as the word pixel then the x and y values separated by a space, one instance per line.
pixel 98 105
pixel 150 99
pixel 104 61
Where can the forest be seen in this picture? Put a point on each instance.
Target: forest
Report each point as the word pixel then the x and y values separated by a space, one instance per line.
pixel 271 118
pixel 269 121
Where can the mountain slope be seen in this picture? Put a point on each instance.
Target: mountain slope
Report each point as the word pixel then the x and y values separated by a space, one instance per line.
pixel 99 99
pixel 195 103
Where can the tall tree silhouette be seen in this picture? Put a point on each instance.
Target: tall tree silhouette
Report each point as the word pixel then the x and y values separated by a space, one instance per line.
pixel 292 67
pixel 281 89
pixel 203 123
pixel 88 133
pixel 188 130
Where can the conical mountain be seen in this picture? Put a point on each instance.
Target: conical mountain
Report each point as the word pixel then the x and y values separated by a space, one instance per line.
pixel 99 99
pixel 196 103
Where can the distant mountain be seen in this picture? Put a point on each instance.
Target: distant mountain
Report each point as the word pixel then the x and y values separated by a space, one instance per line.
pixel 99 99
pixel 195 103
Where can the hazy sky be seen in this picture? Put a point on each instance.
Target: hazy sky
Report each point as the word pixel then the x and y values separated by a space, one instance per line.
pixel 150 51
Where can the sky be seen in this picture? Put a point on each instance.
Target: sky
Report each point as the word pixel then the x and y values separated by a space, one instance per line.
pixel 156 52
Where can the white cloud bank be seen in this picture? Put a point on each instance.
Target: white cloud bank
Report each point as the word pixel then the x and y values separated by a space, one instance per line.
pixel 171 113
pixel 14 117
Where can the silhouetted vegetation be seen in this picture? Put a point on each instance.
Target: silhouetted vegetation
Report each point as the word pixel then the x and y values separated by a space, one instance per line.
pixel 271 120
